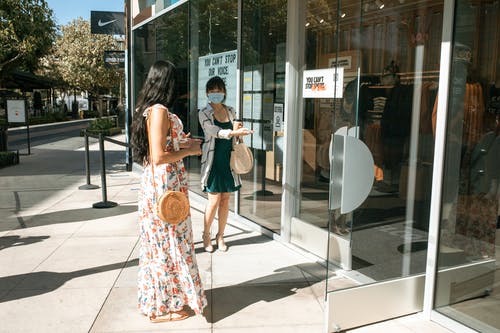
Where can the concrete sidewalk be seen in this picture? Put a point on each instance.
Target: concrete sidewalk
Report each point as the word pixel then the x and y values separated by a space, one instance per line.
pixel 67 267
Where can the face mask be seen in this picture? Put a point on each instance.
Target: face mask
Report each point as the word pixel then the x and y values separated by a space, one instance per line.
pixel 216 98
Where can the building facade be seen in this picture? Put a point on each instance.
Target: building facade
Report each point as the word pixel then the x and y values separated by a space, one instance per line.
pixel 376 139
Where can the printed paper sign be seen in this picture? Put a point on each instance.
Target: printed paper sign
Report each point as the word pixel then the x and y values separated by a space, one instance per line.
pixel 323 83
pixel 278 117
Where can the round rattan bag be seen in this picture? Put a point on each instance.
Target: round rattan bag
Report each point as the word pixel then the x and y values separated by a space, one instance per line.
pixel 173 207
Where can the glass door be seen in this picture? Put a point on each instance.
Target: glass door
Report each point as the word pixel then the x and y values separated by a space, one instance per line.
pixel 388 52
pixel 468 274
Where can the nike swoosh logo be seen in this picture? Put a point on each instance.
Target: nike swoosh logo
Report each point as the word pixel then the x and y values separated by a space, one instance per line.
pixel 102 24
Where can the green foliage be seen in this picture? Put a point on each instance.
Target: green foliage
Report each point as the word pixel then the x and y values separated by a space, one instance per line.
pixel 102 123
pixel 77 58
pixel 27 31
pixel 8 158
pixel 106 126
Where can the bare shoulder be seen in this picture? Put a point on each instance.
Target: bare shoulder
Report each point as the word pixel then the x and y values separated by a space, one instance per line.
pixel 159 108
pixel 158 111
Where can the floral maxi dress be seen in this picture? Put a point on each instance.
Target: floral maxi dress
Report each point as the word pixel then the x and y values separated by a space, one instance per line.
pixel 168 276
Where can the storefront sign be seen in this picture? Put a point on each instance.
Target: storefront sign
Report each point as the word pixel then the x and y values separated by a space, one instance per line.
pixel 323 83
pixel 107 23
pixel 220 64
pixel 114 59
pixel 16 111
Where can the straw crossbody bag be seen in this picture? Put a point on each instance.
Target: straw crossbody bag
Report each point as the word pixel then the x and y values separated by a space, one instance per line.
pixel 172 206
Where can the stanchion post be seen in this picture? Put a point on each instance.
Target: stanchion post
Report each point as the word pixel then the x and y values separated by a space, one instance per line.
pixel 87 186
pixel 104 203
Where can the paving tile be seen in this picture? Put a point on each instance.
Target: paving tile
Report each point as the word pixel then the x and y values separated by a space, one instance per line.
pixel 120 314
pixel 62 310
pixel 22 253
pixel 82 262
pixel 256 306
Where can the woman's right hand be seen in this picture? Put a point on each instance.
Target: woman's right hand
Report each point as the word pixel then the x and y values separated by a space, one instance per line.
pixel 242 131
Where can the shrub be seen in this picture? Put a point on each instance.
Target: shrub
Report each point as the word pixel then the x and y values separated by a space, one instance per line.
pixel 8 158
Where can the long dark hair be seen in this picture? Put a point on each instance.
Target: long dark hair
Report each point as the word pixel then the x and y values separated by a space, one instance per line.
pixel 159 88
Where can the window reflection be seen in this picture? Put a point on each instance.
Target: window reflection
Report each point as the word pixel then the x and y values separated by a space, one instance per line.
pixel 469 242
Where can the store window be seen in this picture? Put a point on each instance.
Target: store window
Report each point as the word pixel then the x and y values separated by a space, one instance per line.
pixel 389 54
pixel 199 37
pixel 468 275
pixel 212 52
pixel 262 105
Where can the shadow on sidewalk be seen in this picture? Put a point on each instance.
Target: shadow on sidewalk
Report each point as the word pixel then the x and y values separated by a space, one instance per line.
pixel 226 301
pixel 53 162
pixel 10 241
pixel 72 215
pixel 45 282
pixel 237 242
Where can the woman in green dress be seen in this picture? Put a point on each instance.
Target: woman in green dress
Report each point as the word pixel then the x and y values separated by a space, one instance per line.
pixel 217 178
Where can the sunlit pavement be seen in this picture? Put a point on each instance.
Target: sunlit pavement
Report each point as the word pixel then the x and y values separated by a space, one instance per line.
pixel 68 267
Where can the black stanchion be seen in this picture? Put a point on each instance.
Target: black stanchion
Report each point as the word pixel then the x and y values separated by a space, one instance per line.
pixel 104 203
pixel 87 186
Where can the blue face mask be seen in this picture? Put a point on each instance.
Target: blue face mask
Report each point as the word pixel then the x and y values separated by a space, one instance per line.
pixel 215 98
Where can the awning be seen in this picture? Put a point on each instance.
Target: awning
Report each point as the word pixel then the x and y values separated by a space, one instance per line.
pixel 27 81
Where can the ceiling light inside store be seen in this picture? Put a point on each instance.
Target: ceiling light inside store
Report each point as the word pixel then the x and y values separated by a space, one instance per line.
pixel 308 24
pixel 380 4
pixel 321 21
pixel 342 14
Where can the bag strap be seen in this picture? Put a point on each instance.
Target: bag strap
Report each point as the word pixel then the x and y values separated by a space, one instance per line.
pixel 148 127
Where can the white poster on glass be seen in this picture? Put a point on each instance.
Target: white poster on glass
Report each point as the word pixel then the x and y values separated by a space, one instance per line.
pixel 221 64
pixel 247 106
pixel 247 78
pixel 257 106
pixel 257 77
pixel 323 83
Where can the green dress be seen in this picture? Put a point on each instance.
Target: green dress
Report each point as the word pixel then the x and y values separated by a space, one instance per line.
pixel 220 178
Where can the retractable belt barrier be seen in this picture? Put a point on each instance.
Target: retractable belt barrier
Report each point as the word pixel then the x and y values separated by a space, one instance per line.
pixel 104 203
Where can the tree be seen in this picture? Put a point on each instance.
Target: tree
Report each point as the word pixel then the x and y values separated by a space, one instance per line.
pixel 77 58
pixel 27 31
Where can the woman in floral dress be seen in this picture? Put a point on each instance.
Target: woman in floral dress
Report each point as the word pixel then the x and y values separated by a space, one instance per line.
pixel 168 282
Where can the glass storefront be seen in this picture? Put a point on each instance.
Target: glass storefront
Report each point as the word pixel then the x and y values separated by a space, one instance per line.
pixel 388 55
pixel 468 270
pixel 200 38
